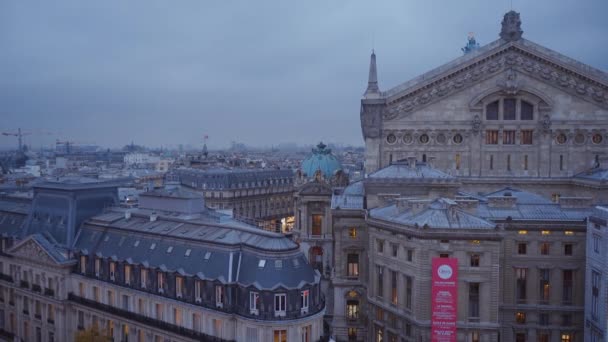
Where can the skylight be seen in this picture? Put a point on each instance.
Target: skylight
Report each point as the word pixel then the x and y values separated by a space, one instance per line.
pixel 207 255
pixel 170 249
pixel 136 243
pixel 152 246
pixel 262 263
pixel 188 252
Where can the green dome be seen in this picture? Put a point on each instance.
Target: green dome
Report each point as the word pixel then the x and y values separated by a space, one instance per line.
pixel 321 159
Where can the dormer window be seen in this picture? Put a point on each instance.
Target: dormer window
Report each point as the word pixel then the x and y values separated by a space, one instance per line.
pixel 112 271
pixel 97 266
pixel 83 264
pixel 179 287
pixel 160 277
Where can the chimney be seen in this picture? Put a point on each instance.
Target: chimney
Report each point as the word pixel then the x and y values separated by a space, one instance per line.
pixel 506 201
pixel 413 205
pixel 575 202
pixel 412 162
pixel 468 205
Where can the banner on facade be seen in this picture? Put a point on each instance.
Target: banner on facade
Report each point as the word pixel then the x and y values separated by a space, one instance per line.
pixel 444 300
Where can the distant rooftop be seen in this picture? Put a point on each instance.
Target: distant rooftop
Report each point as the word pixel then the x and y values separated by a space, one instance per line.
pixel 409 170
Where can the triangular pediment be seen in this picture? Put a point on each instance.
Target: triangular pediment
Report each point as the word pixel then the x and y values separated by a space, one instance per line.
pixel 521 56
pixel 36 248
pixel 315 188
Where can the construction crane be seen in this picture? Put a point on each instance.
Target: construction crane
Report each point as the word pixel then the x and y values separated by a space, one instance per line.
pixel 19 134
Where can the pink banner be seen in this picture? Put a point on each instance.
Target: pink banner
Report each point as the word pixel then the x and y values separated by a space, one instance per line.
pixel 444 302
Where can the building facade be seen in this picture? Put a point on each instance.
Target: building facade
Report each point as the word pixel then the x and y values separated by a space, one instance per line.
pixel 169 270
pixel 263 197
pixel 596 297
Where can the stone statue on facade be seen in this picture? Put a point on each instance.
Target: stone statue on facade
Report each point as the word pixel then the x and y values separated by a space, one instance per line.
pixel 511 27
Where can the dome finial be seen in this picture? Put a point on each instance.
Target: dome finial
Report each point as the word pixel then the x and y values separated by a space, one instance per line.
pixel 511 27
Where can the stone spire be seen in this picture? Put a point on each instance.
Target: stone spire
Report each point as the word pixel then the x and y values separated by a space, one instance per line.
pixel 372 82
pixel 511 27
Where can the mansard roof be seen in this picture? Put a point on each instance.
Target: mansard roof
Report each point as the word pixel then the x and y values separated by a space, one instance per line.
pixel 403 170
pixel 441 213
pixel 190 257
pixel 351 197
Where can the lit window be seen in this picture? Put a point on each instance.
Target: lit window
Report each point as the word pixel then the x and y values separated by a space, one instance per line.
pixel 522 232
pixel 352 260
pixel 352 309
pixel 492 137
pixel 569 232
pixel 352 232
pixel 520 317
pixel 83 264
pixel 545 232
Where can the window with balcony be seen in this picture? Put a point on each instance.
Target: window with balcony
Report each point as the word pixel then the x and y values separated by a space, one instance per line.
pixel 280 304
pixel 394 291
pixel 179 287
pixel 317 224
pixel 254 303
pixel 304 301
pixel 595 294
pixel 474 301
pixel 352 260
pixel 83 264
pixel 160 282
pixel 112 271
pixel 567 283
pixel 408 292
pixel 143 278
pixel 128 270
pixel 544 276
pixel 97 267
pixel 198 291
pixel 520 317
pixel 352 309
pixel 520 284
pixel 219 296
pixel 379 281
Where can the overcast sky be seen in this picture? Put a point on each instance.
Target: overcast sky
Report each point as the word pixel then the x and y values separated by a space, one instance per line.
pixel 162 73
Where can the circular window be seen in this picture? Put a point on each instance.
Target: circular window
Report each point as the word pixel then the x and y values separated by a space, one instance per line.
pixel 407 139
pixel 440 139
pixel 424 139
pixel 391 138
pixel 579 139
pixel 457 139
pixel 561 138
pixel 597 138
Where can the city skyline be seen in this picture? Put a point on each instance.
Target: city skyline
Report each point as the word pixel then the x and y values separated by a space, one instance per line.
pixel 108 75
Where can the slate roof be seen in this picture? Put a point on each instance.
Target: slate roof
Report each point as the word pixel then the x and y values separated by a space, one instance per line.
pixel 13 215
pixel 597 174
pixel 528 206
pixel 232 179
pixel 351 197
pixel 442 213
pixel 403 170
pixel 233 249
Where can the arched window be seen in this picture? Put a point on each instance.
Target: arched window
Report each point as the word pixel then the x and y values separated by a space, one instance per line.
pixel 492 111
pixel 527 111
